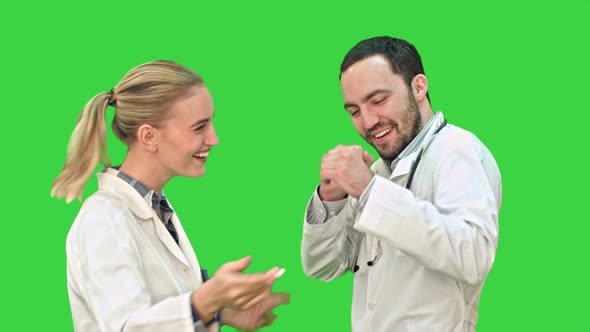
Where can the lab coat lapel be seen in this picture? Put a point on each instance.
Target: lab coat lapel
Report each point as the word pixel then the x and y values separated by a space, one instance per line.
pixel 186 247
pixel 109 182
pixel 168 241
pixel 401 172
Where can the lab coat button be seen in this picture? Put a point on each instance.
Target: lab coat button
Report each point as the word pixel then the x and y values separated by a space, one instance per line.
pixel 371 305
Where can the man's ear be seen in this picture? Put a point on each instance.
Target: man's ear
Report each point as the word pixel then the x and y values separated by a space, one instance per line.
pixel 419 87
pixel 147 136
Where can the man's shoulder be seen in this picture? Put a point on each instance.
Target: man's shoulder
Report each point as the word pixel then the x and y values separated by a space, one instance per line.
pixel 453 132
pixel 454 140
pixel 453 137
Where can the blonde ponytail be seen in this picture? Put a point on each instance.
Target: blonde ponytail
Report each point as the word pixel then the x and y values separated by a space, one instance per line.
pixel 86 148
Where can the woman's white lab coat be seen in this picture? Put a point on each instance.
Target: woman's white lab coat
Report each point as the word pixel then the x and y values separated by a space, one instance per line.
pixel 124 270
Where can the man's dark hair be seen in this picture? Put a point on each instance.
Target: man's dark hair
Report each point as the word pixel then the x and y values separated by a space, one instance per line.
pixel 402 56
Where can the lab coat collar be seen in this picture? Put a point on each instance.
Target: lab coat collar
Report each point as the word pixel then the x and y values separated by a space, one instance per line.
pixel 409 155
pixel 400 172
pixel 110 182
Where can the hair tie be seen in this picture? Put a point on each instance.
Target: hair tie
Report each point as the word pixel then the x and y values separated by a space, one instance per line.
pixel 110 97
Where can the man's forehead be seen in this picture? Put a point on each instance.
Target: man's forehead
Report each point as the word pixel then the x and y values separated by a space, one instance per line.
pixel 367 76
pixel 373 64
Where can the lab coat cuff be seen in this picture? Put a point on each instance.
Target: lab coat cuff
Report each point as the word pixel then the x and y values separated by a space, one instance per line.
pixel 324 230
pixel 365 194
pixel 319 211
pixel 201 326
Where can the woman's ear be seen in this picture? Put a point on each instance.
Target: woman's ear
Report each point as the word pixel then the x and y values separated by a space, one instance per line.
pixel 419 87
pixel 147 137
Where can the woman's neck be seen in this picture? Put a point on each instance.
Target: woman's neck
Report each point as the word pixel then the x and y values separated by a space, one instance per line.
pixel 146 170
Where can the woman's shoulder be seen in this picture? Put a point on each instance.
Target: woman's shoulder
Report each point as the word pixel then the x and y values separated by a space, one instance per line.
pixel 101 209
pixel 103 218
pixel 104 202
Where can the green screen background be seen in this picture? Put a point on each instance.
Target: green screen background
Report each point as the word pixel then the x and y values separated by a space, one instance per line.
pixel 513 73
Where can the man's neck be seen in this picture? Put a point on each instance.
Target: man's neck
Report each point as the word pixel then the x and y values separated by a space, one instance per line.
pixel 426 113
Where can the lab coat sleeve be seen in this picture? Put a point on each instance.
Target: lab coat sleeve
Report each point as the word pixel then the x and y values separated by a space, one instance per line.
pixel 456 232
pixel 327 248
pixel 105 265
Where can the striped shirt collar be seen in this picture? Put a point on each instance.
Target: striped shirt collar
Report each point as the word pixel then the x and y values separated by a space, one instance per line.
pixel 155 200
pixel 424 136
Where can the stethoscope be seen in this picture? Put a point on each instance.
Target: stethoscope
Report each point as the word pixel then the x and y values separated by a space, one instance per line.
pixel 378 253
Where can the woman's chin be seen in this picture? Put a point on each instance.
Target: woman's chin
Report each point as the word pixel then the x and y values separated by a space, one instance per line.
pixel 196 173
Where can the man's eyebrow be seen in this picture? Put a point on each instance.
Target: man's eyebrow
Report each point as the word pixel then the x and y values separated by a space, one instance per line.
pixel 367 97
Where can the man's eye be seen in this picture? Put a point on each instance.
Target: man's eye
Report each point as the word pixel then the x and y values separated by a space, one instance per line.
pixel 379 101
pixel 199 128
pixel 354 113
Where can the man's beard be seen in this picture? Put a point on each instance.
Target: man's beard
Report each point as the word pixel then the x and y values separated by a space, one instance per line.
pixel 411 124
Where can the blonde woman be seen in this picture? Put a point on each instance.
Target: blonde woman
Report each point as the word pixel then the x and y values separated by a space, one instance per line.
pixel 130 265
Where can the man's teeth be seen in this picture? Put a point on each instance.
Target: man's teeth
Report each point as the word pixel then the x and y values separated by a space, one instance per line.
pixel 383 133
pixel 201 154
